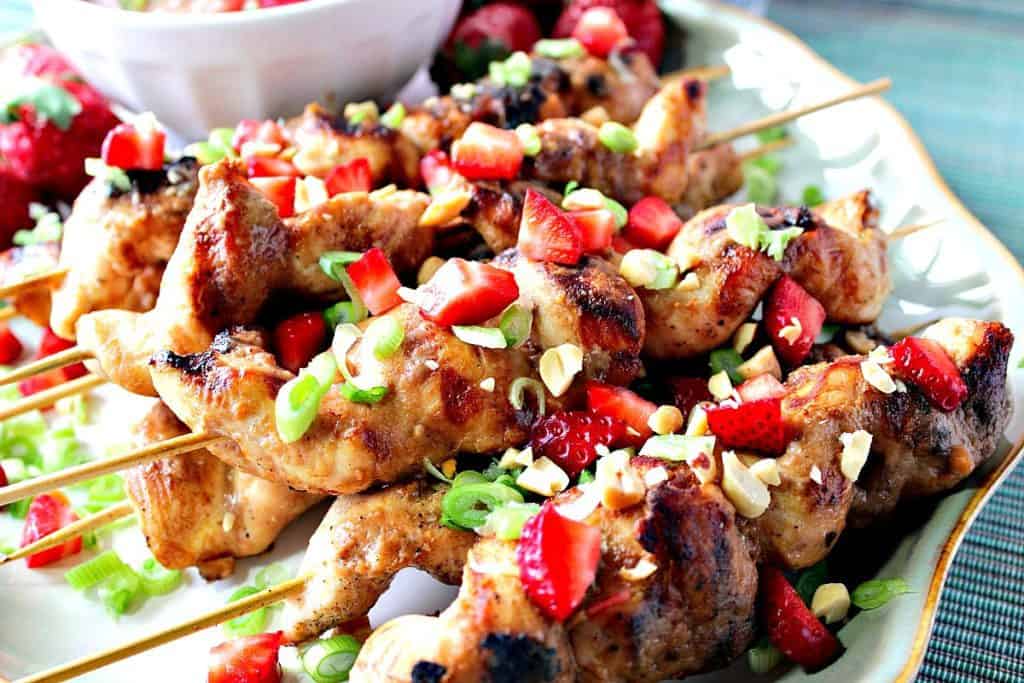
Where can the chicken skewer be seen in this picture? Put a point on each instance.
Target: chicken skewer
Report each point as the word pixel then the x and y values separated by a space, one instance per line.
pixel 591 647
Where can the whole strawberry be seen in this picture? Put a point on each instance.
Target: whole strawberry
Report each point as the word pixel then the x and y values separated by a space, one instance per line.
pixel 14 213
pixel 642 19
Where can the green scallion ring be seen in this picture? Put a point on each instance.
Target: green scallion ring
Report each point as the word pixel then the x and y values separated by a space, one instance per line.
pixel 467 477
pixel 385 334
pixel 617 137
pixel 517 391
pixel 353 393
pixel 96 570
pixel 485 337
pixel 296 407
pixel 248 624
pixel 507 521
pixel 468 506
pixel 119 591
pixel 329 660
pixel 157 579
pixel 271 575
pixel 515 324
pixel 559 49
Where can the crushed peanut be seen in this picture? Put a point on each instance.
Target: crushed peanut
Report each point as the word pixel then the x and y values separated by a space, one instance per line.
pixel 747 493
pixel 513 458
pixel 487 384
pixel 697 424
pixel 228 522
pixel 431 364
pixel 767 470
pixel 744 337
pixel 559 366
pixel 655 476
pixel 689 283
pixel 877 377
pixel 446 206
pixel 427 270
pixel 859 342
pixel 831 602
pixel 543 477
pixel 815 474
pixel 640 571
pixel 792 331
pixel 856 447
pixel 720 385
pixel 619 483
pixel 666 420
pixel 764 362
pixel 309 192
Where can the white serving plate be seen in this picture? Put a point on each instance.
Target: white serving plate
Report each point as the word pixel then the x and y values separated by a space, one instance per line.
pixel 956 268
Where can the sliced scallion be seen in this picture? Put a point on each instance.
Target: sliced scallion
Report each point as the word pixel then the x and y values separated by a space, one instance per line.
pixel 120 591
pixel 353 393
pixel 507 521
pixel 467 506
pixel 296 406
pixel 341 312
pixel 517 393
pixel 469 477
pixel 559 49
pixel 812 196
pixel 271 575
pixel 92 572
pixel 329 660
pixel 486 337
pixel 877 592
pixel 529 138
pixel 248 624
pixel 157 579
pixel 515 324
pixel 385 334
pixel 763 657
pixel 394 116
pixel 617 137
pixel 678 447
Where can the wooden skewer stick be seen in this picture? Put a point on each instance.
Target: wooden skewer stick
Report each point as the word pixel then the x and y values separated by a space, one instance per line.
pixel 8 312
pixel 701 73
pixel 47 397
pixel 766 148
pixel 92 662
pixel 908 230
pixel 32 282
pixel 82 526
pixel 162 449
pixel 782 117
pixel 70 356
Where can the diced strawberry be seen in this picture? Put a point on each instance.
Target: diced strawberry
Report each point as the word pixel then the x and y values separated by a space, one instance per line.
pixel 270 167
pixel 10 346
pixel 298 338
pixel 376 281
pixel 436 169
pixel 570 438
pixel 249 130
pixel 652 224
pixel 688 392
pixel 466 293
pixel 279 190
pixel 33 385
pixel 621 404
pixel 508 24
pixel 49 345
pixel 558 560
pixel 762 386
pixel 355 176
pixel 926 364
pixel 756 425
pixel 485 152
pixel 620 244
pixel 252 659
pixel 642 19
pixel 546 233
pixel 600 30
pixel 129 148
pixel 46 514
pixel 790 305
pixel 597 227
pixel 791 625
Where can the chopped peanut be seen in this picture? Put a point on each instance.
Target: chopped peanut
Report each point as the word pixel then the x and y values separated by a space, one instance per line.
pixel 640 571
pixel 877 377
pixel 543 477
pixel 856 447
pixel 446 206
pixel 619 483
pixel 763 362
pixel 831 602
pixel 559 365
pixel 767 470
pixel 747 493
pixel 720 386
pixel 428 269
pixel 792 331
pixel 744 336
pixel 513 457
pixel 666 420
pixel 697 425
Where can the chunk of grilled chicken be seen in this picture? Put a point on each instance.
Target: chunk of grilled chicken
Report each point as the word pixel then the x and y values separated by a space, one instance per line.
pixel 916 449
pixel 19 263
pixel 196 511
pixel 234 255
pixel 435 406
pixel 324 140
pixel 557 89
pixel 116 244
pixel 694 613
pixel 842 263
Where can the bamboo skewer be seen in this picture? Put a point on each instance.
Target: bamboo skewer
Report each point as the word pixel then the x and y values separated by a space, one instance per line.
pixel 908 230
pixel 766 148
pixel 162 449
pixel 701 73
pixel 46 398
pixel 82 526
pixel 32 282
pixel 782 117
pixel 92 662
pixel 58 360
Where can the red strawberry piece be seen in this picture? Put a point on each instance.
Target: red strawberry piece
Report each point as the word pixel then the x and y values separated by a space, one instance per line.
pixel 600 31
pixel 46 514
pixel 250 130
pixel 597 227
pixel 570 438
pixel 762 386
pixel 622 404
pixel 376 281
pixel 436 170
pixel 466 293
pixel 355 176
pixel 546 233
pixel 790 305
pixel 792 627
pixel 687 392
pixel 10 346
pixel 14 213
pixel 652 224
pixel 299 338
pixel 642 18
pixel 270 167
pixel 558 560
pixel 492 32
pixel 252 659
pixel 485 152
pixel 280 190
pixel 129 148
pixel 755 425
pixel 925 364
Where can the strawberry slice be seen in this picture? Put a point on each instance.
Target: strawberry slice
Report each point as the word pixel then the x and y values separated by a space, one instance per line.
pixel 128 148
pixel 791 625
pixel 570 438
pixel 298 338
pixel 557 561
pixel 485 152
pixel 436 169
pixel 466 293
pixel 597 227
pixel 252 659
pixel 270 167
pixel 756 425
pixel 376 281
pixel 791 308
pixel 762 386
pixel 927 365
pixel 46 514
pixel 600 30
pixel 355 176
pixel 622 404
pixel 280 190
pixel 652 224
pixel 249 130
pixel 10 346
pixel 546 233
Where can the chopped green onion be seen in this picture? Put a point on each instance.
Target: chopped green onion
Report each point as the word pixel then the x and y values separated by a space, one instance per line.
pixel 515 324
pixel 120 591
pixel 766 163
pixel 469 477
pixel 329 660
pixel 394 116
pixel 728 360
pixel 467 507
pixel 157 579
pixel 113 176
pixel 776 241
pixel 618 210
pixel 827 334
pixel 877 592
pixel 204 152
pixel 617 137
pixel 813 196
pixel 353 393
pixel 134 5
pixel 385 335
pixel 762 187
pixel 518 388
pixel 649 269
pixel 486 337
pixel 810 579
pixel 92 572
pixel 357 112
pixel 49 228
pixel 586 476
pixel 763 657
pixel 507 521
pixel 570 187
pixel 464 91
pixel 678 447
pixel 333 263
pixel 271 575
pixel 19 508
pixel 773 134
pixel 509 478
pixel 106 489
pixel 298 401
pixel 224 139
pixel 341 312
pixel 745 226
pixel 517 69
pixel 559 49
pixel 14 469
pixel 248 624
pixel 432 470
pixel 529 138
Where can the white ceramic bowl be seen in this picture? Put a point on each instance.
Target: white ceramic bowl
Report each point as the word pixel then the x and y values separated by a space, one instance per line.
pixel 198 71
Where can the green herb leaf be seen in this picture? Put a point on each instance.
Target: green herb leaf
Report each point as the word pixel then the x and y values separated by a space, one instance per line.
pixel 772 134
pixel 774 242
pixel 877 592
pixel 761 185
pixel 473 62
pixel 728 360
pixel 49 102
pixel 827 334
pixel 809 581
pixel 353 393
pixel 812 196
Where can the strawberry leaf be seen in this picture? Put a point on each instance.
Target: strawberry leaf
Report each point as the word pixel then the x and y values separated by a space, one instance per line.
pixel 49 102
